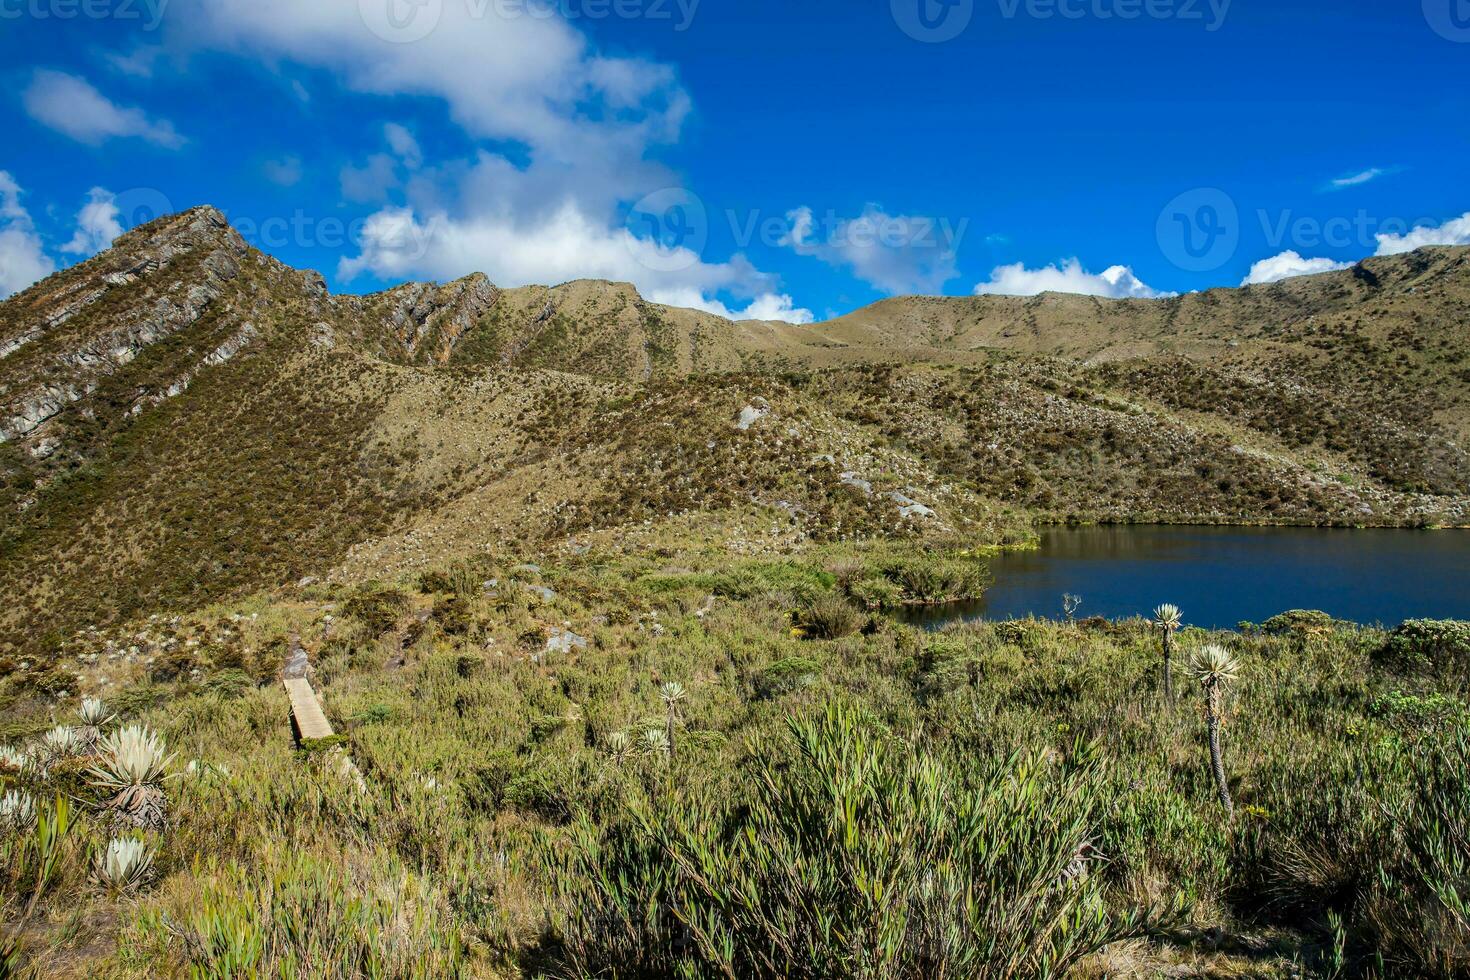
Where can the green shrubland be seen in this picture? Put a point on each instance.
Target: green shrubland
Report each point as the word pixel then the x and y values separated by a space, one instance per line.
pixel 710 787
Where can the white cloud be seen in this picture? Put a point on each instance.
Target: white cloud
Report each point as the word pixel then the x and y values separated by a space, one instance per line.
pixel 892 253
pixel 581 128
pixel 286 171
pixel 1355 180
pixel 1289 264
pixel 1453 232
pixel 766 306
pixel 563 245
pixel 23 260
pixel 138 63
pixel 1116 282
pixel 524 78
pixel 97 224
pixel 71 106
pixel 403 144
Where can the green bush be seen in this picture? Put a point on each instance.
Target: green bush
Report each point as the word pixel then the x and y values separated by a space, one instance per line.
pixel 876 592
pixel 1435 646
pixel 377 608
pixel 859 856
pixel 1297 621
pixel 831 617
pixel 926 578
pixel 787 675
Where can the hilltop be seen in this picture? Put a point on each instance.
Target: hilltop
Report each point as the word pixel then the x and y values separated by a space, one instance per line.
pixel 184 418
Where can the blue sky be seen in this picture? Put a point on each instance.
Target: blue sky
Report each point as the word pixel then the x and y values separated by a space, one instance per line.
pixel 791 159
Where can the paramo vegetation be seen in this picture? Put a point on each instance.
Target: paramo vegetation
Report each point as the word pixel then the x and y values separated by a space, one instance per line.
pixel 617 766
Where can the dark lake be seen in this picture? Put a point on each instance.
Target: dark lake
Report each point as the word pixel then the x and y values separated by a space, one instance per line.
pixel 1219 576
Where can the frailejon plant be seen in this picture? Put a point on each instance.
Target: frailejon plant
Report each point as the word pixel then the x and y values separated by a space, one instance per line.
pixel 17 811
pixel 123 866
pixel 656 742
pixel 1167 620
pixel 13 760
pixel 619 746
pixel 61 742
pixel 672 694
pixel 94 717
pixel 132 764
pixel 1215 668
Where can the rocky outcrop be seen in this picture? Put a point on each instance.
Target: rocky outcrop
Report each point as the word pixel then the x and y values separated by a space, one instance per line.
pixel 161 309
pixel 423 317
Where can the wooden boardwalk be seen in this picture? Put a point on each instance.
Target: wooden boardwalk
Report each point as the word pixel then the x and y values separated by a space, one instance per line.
pixel 306 711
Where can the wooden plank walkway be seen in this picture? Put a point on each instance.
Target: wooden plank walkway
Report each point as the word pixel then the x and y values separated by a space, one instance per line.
pixel 306 711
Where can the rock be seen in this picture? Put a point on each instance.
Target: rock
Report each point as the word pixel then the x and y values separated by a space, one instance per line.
pixel 297 663
pixel 45 446
pixel 909 507
pixel 231 347
pixel 564 641
pixel 853 479
pixel 758 409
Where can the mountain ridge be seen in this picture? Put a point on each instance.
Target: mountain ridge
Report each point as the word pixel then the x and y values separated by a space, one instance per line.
pixel 183 417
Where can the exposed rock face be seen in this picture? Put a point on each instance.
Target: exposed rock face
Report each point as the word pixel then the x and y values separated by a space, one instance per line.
pixel 134 326
pixel 71 368
pixel 425 321
pixel 909 507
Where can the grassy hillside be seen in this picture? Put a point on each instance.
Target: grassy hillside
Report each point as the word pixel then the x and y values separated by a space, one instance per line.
pixel 185 419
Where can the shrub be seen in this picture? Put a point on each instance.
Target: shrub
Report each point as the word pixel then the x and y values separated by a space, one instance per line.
pixel 1297 621
pixel 377 608
pixel 1435 646
pixel 787 675
pixel 876 592
pixel 541 788
pixel 454 615
pixel 831 617
pixel 861 857
pixel 1424 713
pixel 925 578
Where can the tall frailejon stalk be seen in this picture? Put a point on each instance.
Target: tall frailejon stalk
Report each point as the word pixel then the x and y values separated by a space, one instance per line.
pixel 1167 618
pixel 1214 667
pixel 672 693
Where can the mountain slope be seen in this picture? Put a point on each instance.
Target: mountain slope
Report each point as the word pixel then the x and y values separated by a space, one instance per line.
pixel 185 418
